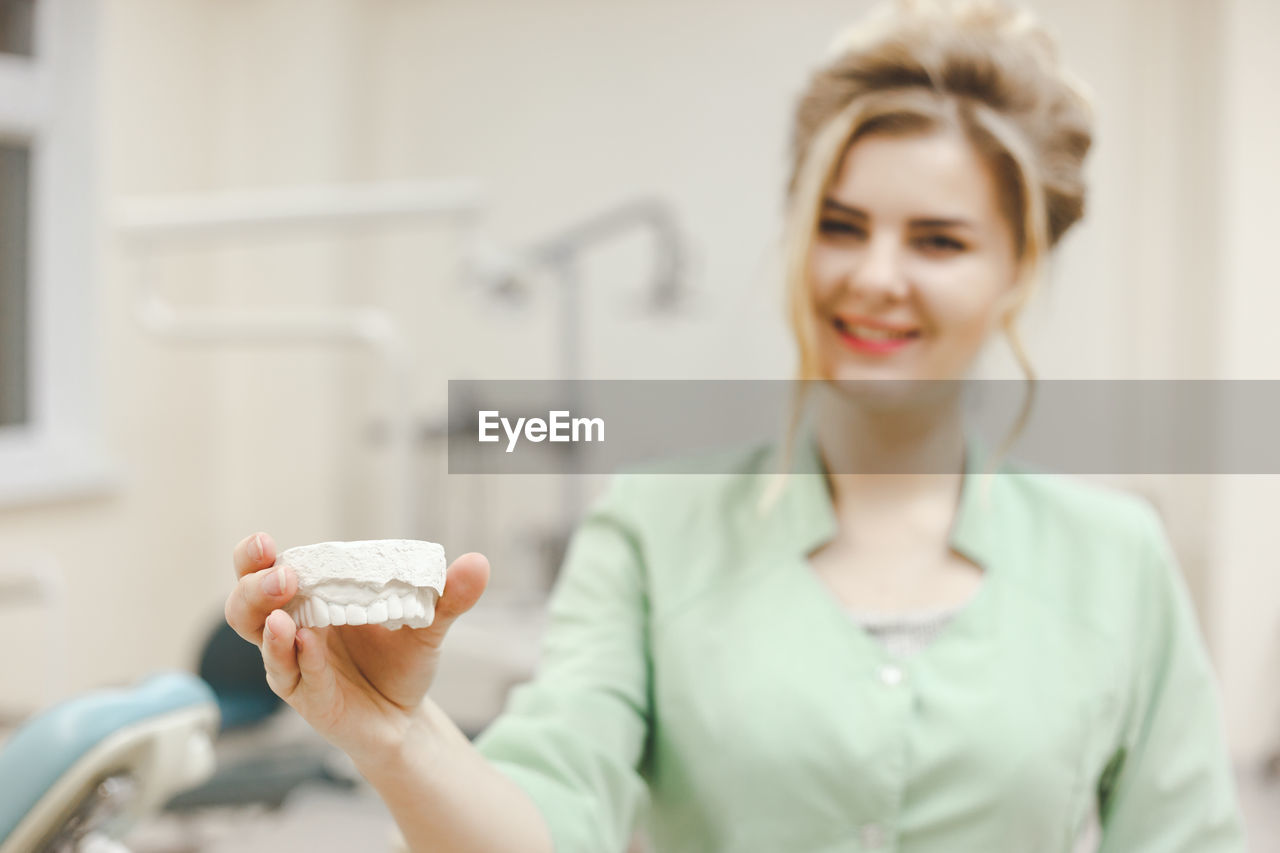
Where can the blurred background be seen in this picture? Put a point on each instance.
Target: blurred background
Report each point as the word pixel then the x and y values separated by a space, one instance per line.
pixel 244 245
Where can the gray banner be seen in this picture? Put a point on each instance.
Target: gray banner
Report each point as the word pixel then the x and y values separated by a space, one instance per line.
pixel 700 426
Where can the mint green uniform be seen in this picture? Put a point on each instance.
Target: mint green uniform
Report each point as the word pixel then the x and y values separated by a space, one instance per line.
pixel 697 675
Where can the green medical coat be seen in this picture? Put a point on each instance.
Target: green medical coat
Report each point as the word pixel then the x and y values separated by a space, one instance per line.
pixel 697 675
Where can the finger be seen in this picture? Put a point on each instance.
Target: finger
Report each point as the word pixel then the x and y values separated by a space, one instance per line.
pixel 253 553
pixel 314 667
pixel 279 655
pixel 255 596
pixel 464 583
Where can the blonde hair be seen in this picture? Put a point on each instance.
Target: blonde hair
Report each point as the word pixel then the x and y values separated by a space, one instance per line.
pixel 980 68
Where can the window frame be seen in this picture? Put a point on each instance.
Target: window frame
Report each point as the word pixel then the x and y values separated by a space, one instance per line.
pixel 47 101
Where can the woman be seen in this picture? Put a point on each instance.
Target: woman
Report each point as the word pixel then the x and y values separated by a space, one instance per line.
pixel 802 656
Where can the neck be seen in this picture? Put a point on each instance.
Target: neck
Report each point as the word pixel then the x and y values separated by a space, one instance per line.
pixel 878 452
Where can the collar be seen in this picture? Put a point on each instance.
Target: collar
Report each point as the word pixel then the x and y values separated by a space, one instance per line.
pixel 807 515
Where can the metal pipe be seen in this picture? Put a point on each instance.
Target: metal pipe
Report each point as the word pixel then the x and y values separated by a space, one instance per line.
pixel 561 253
pixel 229 214
pixel 665 282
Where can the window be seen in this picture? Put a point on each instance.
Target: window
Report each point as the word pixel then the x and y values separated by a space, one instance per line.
pixel 15 202
pixel 17 26
pixel 49 437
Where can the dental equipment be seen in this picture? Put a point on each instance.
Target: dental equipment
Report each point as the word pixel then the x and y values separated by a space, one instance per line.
pixel 154 224
pixel 73 778
pixel 506 274
pixel 390 582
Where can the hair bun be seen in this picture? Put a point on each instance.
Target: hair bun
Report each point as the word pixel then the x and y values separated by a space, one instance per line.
pixel 1000 73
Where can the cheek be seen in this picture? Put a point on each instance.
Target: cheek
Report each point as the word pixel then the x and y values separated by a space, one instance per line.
pixel 961 301
pixel 827 268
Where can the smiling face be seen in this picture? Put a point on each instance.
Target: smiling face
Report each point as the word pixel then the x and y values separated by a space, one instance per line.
pixel 913 261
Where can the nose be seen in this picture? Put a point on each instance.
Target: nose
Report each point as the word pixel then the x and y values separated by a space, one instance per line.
pixel 878 273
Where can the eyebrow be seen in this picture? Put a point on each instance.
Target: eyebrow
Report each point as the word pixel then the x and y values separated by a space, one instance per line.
pixel 933 222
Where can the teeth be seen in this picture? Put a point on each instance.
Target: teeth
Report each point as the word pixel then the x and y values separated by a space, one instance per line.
pixel 313 612
pixel 877 334
pixel 870 334
pixel 319 613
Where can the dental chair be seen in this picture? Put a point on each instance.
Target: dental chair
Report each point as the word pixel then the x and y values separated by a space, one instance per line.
pixel 76 776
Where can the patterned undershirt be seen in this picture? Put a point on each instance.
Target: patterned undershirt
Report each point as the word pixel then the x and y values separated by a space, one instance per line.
pixel 904 634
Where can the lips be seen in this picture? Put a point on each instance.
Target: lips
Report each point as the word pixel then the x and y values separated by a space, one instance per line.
pixel 874 337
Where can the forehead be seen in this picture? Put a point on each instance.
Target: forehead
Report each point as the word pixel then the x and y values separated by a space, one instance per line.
pixel 935 174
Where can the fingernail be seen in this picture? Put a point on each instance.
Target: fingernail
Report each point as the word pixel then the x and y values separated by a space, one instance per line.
pixel 255 548
pixel 273 583
pixel 267 633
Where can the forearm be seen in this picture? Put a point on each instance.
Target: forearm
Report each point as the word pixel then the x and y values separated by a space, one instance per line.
pixel 445 796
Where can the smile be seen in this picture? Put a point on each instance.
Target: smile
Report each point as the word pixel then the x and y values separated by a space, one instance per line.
pixel 874 340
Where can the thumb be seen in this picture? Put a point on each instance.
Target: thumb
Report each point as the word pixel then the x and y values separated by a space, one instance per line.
pixel 464 583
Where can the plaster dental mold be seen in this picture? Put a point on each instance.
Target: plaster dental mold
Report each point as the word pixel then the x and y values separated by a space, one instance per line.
pixel 391 582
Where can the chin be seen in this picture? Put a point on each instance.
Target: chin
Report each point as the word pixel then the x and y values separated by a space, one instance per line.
pixel 888 384
pixel 842 366
pixel 889 395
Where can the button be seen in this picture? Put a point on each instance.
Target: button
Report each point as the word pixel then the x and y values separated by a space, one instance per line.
pixel 890 674
pixel 873 836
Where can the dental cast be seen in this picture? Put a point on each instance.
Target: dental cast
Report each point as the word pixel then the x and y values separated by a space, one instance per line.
pixel 535 429
pixel 391 582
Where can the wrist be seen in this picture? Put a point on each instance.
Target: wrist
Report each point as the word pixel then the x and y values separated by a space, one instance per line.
pixel 410 748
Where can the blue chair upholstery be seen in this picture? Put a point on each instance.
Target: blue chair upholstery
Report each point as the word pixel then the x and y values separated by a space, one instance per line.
pixel 48 745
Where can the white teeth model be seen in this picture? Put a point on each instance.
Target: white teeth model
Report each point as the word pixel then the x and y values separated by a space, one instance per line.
pixel 391 582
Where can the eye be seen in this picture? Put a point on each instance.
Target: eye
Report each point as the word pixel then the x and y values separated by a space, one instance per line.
pixel 940 244
pixel 838 228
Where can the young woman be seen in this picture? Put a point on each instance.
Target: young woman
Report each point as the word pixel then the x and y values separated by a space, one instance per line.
pixel 802 656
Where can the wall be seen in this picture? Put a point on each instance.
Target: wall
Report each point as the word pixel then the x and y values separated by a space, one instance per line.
pixel 565 107
pixel 1247 603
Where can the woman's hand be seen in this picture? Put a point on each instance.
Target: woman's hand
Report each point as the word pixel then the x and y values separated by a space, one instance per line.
pixel 357 685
